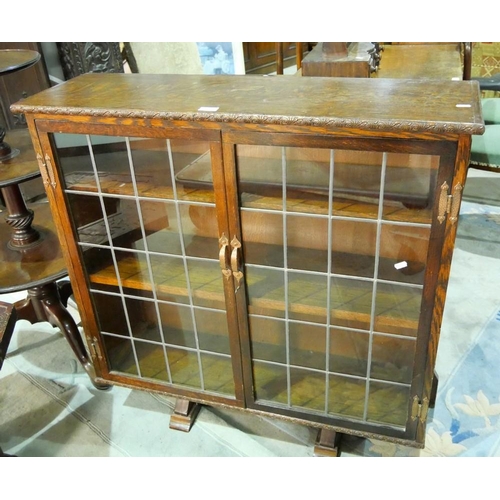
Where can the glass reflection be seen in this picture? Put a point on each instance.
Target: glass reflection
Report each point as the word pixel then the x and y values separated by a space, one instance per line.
pixel 346 396
pixel 349 352
pixel 403 251
pixel 268 339
pixel 177 325
pixel 307 345
pixel 217 374
pixel 392 358
pixel 212 330
pixel 388 404
pixel 120 355
pixel 397 309
pixel 151 358
pixel 270 382
pixel 184 367
pixel 307 389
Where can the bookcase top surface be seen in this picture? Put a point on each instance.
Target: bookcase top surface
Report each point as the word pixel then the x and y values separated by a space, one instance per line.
pixel 442 106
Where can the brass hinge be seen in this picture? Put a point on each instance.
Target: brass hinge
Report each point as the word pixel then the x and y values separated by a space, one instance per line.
pixel 46 170
pixel 419 409
pixel 43 170
pixel 96 350
pixel 449 203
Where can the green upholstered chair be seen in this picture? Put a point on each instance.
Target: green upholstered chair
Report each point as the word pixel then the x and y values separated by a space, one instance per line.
pixel 485 150
pixel 491 110
pixel 490 105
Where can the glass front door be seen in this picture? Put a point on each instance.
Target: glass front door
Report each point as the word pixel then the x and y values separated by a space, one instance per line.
pixel 149 243
pixel 334 246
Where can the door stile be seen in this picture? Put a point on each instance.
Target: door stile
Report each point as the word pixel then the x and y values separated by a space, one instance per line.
pixel 225 234
pixel 433 299
pixel 454 173
pixel 239 289
pixel 54 187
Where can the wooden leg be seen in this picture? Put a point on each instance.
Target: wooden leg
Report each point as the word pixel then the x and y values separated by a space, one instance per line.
pixel 8 317
pixel 44 304
pixel 20 218
pixel 26 311
pixel 184 415
pixel 299 54
pixel 279 58
pixel 65 291
pixel 434 390
pixel 58 316
pixel 327 443
pixel 2 454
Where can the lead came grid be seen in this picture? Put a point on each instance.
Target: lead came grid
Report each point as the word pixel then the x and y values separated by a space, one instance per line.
pixel 253 270
pixel 155 301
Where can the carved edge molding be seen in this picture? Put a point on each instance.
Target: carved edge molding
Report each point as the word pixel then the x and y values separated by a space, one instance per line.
pixel 376 125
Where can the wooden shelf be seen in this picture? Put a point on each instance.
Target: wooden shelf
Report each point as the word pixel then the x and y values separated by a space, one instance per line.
pixel 387 403
pixel 183 365
pixel 351 298
pixel 121 184
pixel 406 190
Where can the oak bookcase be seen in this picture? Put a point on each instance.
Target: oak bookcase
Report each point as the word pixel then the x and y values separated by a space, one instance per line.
pixel 279 245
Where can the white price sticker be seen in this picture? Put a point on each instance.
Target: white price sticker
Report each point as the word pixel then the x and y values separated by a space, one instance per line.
pixel 209 108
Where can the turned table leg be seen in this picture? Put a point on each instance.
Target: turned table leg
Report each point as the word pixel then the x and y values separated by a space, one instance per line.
pixel 19 218
pixel 327 443
pixel 185 413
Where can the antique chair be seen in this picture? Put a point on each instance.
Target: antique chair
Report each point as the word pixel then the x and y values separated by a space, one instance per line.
pixel 485 150
pixel 490 105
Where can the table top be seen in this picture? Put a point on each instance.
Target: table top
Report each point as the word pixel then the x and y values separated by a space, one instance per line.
pixel 38 265
pixel 16 59
pixel 422 61
pixel 22 167
pixel 325 103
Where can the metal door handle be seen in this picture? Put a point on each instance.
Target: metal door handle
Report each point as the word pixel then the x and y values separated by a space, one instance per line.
pixel 224 256
pixel 235 262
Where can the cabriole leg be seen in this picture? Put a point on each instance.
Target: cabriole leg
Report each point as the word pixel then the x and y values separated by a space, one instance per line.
pixel 44 304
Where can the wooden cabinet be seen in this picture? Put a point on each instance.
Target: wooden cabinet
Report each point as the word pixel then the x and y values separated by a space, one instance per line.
pixel 19 85
pixel 262 57
pixel 280 245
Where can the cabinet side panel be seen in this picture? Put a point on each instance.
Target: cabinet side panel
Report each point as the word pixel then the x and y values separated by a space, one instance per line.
pixel 454 176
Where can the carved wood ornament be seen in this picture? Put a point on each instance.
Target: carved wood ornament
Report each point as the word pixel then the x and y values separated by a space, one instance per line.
pixel 78 58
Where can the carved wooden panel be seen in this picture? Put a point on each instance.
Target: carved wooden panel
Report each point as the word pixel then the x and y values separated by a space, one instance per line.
pixel 89 57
